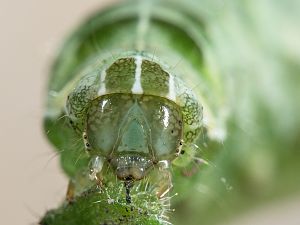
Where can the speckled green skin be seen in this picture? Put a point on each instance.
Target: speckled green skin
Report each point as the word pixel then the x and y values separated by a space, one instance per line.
pixel 120 76
pixel 155 79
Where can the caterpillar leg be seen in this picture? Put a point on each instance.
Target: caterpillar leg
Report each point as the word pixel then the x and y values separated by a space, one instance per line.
pixel 70 191
pixel 188 172
pixel 95 169
pixel 164 179
pixel 86 178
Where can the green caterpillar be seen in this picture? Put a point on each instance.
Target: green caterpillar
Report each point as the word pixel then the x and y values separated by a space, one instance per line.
pixel 123 114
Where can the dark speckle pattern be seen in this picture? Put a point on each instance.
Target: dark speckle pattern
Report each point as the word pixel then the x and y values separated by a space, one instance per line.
pixel 155 80
pixel 120 76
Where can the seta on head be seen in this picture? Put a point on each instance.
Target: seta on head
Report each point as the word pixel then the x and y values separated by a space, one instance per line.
pixel 133 115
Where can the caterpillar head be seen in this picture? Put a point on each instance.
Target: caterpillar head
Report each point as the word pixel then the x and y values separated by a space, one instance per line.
pixel 134 114
pixel 134 132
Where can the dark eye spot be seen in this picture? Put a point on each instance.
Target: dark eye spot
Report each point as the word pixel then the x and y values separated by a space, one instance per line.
pixel 87 145
pixel 182 152
pixel 129 178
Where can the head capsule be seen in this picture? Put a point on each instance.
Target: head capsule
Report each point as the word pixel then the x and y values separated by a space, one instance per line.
pixel 134 114
pixel 134 132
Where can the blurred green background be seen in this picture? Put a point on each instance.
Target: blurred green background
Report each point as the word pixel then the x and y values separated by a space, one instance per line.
pixel 258 48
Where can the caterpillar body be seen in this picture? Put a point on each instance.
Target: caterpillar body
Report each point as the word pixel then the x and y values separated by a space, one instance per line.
pixel 129 95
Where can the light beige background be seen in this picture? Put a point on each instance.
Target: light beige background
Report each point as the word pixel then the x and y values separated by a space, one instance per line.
pixel 31 181
pixel 31 31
